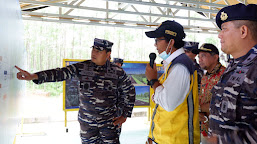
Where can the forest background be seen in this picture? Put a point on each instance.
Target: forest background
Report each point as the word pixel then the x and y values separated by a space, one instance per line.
pixel 47 44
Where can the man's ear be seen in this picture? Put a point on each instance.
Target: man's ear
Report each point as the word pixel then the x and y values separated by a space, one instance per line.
pixel 244 31
pixel 172 42
pixel 216 57
pixel 108 54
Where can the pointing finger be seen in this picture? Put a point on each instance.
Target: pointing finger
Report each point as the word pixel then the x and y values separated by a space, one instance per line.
pixel 21 70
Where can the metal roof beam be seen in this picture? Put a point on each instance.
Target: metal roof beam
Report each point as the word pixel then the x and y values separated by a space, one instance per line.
pixel 70 10
pixel 138 11
pixel 119 7
pixel 114 25
pixel 76 18
pixel 126 1
pixel 166 5
pixel 200 3
pixel 114 11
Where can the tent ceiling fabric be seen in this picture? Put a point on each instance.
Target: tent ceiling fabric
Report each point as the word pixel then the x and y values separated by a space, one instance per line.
pixel 196 16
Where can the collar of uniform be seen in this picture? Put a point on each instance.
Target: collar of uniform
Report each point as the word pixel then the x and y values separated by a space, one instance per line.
pixel 243 60
pixel 100 66
pixel 251 56
pixel 246 59
pixel 108 63
pixel 172 57
pixel 215 70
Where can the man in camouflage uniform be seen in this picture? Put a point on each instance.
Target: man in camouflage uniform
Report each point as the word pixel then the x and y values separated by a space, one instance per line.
pixel 233 108
pixel 118 61
pixel 100 82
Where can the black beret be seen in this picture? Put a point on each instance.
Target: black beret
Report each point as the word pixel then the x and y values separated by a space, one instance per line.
pixel 237 12
pixel 168 29
pixel 102 44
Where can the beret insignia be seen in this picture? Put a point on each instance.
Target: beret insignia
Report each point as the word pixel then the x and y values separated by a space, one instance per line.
pixel 223 16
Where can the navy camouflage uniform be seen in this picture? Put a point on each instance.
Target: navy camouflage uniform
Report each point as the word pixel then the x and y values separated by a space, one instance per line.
pixel 119 111
pixel 98 89
pixel 234 103
pixel 233 107
pixel 118 60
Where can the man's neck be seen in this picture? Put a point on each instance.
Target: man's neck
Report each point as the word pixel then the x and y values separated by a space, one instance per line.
pixel 193 59
pixel 244 48
pixel 101 64
pixel 212 67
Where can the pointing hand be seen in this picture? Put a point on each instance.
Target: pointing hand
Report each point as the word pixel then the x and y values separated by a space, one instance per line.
pixel 24 75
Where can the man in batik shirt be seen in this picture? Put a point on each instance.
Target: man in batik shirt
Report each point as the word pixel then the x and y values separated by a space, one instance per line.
pixel 209 61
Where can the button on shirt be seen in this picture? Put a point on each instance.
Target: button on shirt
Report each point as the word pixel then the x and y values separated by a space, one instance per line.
pixel 173 91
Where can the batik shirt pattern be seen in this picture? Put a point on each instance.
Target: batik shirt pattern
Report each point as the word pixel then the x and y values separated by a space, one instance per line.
pixel 207 83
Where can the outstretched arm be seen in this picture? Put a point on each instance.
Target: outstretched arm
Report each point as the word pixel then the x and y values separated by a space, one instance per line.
pixel 52 75
pixel 24 75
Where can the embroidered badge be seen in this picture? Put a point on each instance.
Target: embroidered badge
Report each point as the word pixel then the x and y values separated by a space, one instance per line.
pixel 205 49
pixel 170 33
pixel 223 16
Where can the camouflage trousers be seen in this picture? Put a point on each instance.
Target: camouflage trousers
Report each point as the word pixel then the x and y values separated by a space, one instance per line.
pixel 99 131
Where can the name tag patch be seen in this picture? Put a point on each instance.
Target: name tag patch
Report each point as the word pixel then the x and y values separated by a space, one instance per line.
pixel 239 76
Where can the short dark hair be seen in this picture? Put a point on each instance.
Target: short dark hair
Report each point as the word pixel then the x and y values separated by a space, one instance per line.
pixel 252 25
pixel 178 43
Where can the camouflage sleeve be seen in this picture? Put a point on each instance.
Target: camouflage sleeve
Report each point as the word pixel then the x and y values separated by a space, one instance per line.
pixel 126 97
pixel 244 134
pixel 55 75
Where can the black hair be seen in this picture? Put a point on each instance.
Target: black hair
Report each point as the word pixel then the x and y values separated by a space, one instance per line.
pixel 252 25
pixel 178 43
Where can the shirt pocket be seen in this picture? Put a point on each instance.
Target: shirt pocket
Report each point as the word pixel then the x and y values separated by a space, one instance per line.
pixel 228 103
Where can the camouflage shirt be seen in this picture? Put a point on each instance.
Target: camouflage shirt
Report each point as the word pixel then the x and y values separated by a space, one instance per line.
pixel 98 88
pixel 233 106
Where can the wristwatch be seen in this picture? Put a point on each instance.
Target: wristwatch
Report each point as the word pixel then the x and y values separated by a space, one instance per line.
pixel 152 82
